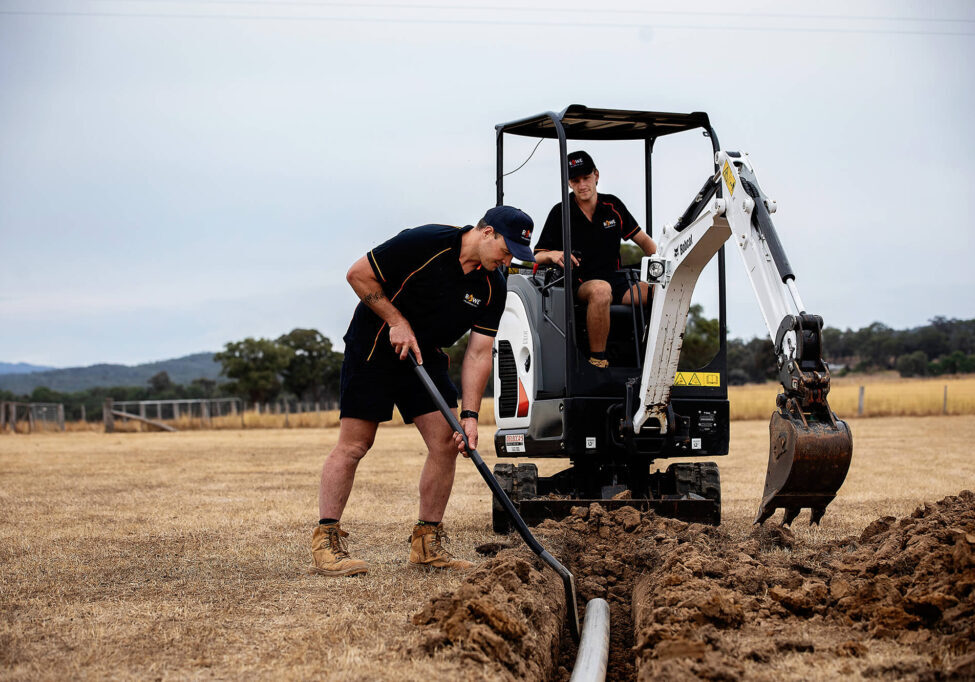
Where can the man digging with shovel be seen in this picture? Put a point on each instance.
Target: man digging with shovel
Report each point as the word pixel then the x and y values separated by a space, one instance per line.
pixel 422 290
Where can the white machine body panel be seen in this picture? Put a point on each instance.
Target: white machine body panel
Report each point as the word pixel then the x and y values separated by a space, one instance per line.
pixel 516 330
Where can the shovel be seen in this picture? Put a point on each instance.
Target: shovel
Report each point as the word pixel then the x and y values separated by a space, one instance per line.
pixel 568 580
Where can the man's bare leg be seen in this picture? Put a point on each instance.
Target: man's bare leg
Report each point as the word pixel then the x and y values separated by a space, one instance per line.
pixel 437 478
pixel 356 436
pixel 436 481
pixel 633 296
pixel 598 295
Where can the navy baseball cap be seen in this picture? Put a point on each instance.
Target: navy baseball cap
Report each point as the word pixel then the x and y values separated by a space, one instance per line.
pixel 580 163
pixel 516 227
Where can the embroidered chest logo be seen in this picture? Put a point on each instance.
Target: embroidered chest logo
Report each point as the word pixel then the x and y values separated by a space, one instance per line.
pixel 472 300
pixel 609 224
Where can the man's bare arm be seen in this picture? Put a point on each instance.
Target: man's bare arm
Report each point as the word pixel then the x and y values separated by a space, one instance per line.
pixel 363 281
pixel 553 258
pixel 474 377
pixel 645 242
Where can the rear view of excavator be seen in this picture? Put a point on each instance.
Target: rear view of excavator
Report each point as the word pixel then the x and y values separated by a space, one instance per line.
pixel 612 424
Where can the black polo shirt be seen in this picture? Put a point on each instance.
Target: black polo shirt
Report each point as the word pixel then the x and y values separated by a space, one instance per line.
pixel 420 273
pixel 598 239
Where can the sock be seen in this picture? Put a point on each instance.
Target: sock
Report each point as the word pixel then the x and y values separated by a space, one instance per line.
pixel 598 354
pixel 323 522
pixel 426 523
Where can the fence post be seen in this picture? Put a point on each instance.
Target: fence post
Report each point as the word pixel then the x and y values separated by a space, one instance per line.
pixel 243 408
pixel 205 407
pixel 84 415
pixel 944 405
pixel 860 403
pixel 61 416
pixel 107 415
pixel 13 417
pixel 287 411
pixel 3 416
pixel 30 417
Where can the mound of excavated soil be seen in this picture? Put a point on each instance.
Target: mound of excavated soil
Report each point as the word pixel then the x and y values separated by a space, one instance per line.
pixel 507 617
pixel 715 611
pixel 687 601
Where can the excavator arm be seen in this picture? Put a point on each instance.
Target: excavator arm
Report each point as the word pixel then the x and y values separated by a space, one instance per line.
pixel 809 448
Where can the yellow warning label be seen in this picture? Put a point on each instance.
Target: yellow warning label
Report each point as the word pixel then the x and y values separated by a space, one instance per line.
pixel 705 379
pixel 729 177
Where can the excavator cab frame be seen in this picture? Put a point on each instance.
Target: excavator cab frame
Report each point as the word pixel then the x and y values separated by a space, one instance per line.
pixel 591 406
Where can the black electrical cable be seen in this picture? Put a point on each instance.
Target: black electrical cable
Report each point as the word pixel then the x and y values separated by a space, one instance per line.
pixel 526 160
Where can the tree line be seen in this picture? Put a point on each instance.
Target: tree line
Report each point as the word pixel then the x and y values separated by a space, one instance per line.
pixel 89 402
pixel 944 346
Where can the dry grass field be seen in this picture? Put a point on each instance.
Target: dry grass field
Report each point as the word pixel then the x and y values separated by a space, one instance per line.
pixel 183 555
pixel 885 395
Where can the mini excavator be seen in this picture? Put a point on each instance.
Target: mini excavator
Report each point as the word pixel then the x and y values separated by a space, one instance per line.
pixel 612 424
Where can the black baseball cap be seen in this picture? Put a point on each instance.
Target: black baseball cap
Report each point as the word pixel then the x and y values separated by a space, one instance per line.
pixel 580 163
pixel 516 227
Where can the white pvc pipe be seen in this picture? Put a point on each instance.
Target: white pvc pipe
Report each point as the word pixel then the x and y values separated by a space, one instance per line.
pixel 594 645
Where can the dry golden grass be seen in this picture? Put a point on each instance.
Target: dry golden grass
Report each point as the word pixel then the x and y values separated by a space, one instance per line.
pixel 183 555
pixel 884 396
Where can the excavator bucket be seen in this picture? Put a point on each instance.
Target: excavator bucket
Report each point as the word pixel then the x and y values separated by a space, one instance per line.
pixel 807 463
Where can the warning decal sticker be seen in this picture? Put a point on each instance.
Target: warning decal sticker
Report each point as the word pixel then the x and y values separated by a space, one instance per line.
pixel 706 379
pixel 729 177
pixel 514 442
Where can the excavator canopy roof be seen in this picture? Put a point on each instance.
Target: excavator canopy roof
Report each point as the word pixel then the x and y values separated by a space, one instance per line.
pixel 582 123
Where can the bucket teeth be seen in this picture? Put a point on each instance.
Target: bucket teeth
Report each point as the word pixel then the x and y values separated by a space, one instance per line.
pixel 817 515
pixel 790 515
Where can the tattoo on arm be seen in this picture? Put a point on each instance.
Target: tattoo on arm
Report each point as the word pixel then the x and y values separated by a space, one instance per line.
pixel 373 297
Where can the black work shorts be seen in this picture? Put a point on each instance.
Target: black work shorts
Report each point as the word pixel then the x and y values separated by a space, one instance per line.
pixel 370 389
pixel 620 284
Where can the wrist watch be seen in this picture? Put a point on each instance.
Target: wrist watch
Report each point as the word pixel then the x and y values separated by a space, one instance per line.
pixel 468 414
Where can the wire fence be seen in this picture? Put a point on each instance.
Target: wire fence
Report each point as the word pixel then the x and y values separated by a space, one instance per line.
pixel 16 417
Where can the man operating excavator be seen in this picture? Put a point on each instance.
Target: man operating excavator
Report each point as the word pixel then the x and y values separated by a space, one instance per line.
pixel 599 222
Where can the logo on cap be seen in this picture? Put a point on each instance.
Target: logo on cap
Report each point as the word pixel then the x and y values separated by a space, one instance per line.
pixel 526 234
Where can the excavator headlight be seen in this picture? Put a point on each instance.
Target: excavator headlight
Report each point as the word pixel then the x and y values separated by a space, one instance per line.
pixel 655 269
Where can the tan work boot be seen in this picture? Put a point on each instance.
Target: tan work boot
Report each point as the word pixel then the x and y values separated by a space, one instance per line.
pixel 599 363
pixel 330 555
pixel 426 549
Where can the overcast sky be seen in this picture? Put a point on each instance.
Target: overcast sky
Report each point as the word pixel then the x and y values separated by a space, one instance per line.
pixel 178 174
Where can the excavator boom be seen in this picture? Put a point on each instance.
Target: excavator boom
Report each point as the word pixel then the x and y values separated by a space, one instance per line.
pixel 809 448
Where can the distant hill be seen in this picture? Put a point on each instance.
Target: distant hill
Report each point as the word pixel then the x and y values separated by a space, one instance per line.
pixel 181 371
pixel 21 368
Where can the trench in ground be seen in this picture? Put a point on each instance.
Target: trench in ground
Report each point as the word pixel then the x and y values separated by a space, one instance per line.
pixel 689 601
